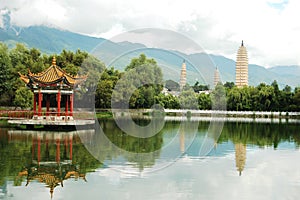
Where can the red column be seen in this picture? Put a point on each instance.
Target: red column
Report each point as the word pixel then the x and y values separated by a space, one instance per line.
pixel 39 150
pixel 66 144
pixel 48 105
pixel 57 150
pixel 40 104
pixel 47 149
pixel 71 148
pixel 33 146
pixel 34 104
pixel 67 105
pixel 71 104
pixel 58 103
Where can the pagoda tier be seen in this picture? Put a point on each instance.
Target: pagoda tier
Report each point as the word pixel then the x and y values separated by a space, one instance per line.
pixel 241 70
pixel 52 86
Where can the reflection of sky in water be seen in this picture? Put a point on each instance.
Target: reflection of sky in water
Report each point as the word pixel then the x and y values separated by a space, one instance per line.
pixel 268 174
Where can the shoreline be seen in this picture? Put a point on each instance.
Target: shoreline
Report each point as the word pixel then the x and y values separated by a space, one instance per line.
pixel 109 113
pixel 204 113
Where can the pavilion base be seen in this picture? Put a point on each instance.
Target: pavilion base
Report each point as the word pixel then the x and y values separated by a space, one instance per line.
pixel 53 124
pixel 53 118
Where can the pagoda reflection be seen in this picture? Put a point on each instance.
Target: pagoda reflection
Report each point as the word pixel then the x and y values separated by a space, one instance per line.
pixel 51 157
pixel 240 157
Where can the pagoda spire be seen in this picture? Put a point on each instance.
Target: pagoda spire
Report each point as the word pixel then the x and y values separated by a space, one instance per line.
pixel 241 69
pixel 182 81
pixel 216 76
pixel 54 61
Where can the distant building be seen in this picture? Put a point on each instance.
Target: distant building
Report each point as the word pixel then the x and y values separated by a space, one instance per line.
pixel 241 71
pixel 182 82
pixel 216 77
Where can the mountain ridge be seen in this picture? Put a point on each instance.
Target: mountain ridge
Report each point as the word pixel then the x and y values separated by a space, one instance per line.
pixel 51 40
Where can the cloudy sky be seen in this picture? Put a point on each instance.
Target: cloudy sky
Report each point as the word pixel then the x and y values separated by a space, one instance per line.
pixel 270 28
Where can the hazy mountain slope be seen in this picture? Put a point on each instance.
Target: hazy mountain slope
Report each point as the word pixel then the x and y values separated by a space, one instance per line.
pixel 48 40
pixel 200 66
pixel 286 70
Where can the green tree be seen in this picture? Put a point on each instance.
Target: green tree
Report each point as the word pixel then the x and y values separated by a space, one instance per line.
pixel 296 100
pixel 204 101
pixel 139 85
pixel 218 97
pixel 167 101
pixel 265 96
pixel 277 95
pixel 105 87
pixel 23 98
pixel 188 99
pixel 229 85
pixel 5 75
pixel 197 87
pixel 234 99
pixel 286 98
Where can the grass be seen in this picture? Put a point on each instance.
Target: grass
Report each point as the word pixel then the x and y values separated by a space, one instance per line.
pixel 101 115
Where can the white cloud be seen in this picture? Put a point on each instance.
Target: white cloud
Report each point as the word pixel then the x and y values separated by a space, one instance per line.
pixel 268 27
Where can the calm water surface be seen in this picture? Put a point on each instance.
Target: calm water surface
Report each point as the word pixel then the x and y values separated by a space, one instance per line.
pixel 247 161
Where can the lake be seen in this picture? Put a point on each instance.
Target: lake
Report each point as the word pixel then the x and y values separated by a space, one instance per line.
pixel 181 159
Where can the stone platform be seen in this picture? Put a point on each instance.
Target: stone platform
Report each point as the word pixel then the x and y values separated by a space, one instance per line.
pixel 41 122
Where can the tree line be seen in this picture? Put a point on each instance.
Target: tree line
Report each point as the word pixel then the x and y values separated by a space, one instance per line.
pixel 20 59
pixel 140 85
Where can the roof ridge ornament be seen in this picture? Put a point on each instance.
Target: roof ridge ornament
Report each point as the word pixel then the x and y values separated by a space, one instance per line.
pixel 54 61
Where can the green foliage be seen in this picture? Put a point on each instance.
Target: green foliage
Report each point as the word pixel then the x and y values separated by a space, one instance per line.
pixel 204 101
pixel 229 85
pixel 5 73
pixel 167 101
pixel 139 85
pixel 23 98
pixel 263 98
pixel 105 87
pixel 140 61
pixel 218 97
pixel 188 99
pixel 20 58
pixel 197 88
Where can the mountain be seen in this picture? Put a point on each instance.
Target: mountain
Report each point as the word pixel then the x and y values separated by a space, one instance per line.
pixel 47 39
pixel 291 70
pixel 259 74
pixel 200 66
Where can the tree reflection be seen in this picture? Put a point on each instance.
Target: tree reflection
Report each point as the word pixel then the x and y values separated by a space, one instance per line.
pixel 46 157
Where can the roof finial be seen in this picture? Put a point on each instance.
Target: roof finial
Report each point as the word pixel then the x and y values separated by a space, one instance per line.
pixel 53 61
pixel 242 43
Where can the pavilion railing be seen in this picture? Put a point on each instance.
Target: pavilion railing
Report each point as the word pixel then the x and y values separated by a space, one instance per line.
pixel 26 114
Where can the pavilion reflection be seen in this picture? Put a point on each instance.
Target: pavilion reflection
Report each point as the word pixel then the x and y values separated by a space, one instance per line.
pixel 51 156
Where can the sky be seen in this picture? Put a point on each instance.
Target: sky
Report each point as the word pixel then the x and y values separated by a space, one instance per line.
pixel 270 28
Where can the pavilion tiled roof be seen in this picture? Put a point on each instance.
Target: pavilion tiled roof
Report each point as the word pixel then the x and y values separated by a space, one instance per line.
pixel 53 74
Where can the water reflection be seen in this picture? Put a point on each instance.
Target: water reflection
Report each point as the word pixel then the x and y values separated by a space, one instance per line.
pixel 44 156
pixel 49 164
pixel 240 156
pixel 56 158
